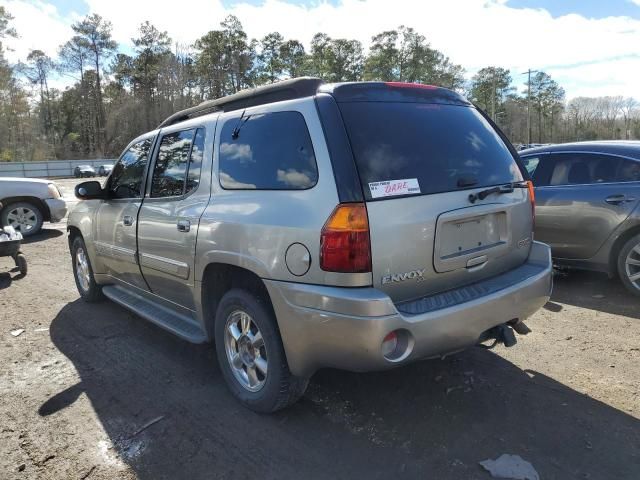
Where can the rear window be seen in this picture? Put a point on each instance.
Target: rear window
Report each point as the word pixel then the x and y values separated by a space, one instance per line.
pixel 418 148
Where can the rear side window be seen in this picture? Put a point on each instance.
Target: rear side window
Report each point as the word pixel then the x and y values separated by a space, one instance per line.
pixel 126 178
pixel 427 148
pixel 629 171
pixel 580 169
pixel 269 151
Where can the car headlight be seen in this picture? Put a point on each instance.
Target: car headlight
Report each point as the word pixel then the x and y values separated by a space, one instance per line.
pixel 53 191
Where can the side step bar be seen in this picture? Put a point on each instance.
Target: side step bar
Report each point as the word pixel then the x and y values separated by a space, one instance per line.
pixel 180 325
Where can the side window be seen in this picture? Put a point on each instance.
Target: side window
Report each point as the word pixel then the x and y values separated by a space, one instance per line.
pixel 531 163
pixel 582 168
pixel 170 170
pixel 195 162
pixel 629 171
pixel 126 178
pixel 269 151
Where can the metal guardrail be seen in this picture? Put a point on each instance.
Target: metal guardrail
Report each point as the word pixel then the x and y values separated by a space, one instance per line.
pixel 50 168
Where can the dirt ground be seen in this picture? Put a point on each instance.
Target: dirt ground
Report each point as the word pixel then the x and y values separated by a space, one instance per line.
pixel 94 392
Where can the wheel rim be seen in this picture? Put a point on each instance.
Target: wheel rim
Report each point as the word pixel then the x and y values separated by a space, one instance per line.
pixel 632 266
pixel 82 269
pixel 246 351
pixel 22 219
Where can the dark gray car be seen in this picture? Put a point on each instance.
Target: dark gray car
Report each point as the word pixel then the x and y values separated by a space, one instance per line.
pixel 587 197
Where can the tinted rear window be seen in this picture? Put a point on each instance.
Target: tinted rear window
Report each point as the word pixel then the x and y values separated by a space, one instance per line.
pixel 442 147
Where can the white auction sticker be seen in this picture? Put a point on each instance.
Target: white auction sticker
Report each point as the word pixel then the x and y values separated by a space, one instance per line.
pixel 389 188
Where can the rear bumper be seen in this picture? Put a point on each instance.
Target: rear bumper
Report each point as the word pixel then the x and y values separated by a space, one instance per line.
pixel 57 209
pixel 344 327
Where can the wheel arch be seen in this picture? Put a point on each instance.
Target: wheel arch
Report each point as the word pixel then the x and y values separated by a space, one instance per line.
pixel 42 206
pixel 218 278
pixel 617 246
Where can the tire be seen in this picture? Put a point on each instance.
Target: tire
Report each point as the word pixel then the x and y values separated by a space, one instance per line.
pixel 25 217
pixel 278 388
pixel 21 263
pixel 88 289
pixel 629 265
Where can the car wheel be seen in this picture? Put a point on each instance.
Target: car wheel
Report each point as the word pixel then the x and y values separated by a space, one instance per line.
pixel 251 355
pixel 24 217
pixel 89 290
pixel 629 264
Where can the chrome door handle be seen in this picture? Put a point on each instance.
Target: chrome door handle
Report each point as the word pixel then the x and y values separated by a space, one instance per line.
pixel 184 225
pixel 618 199
pixel 127 220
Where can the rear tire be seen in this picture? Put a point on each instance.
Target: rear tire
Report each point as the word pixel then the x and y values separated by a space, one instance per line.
pixel 89 290
pixel 629 265
pixel 251 355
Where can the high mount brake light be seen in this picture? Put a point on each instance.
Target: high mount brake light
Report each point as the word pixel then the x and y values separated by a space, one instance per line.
pixel 344 240
pixel 410 85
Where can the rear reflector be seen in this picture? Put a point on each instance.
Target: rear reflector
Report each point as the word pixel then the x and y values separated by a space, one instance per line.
pixel 344 240
pixel 410 85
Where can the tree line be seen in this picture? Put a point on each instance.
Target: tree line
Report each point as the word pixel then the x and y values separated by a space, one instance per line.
pixel 115 96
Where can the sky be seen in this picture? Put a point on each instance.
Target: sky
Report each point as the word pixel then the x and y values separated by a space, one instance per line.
pixel 591 47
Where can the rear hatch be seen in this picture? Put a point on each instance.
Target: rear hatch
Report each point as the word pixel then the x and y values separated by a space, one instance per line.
pixel 419 161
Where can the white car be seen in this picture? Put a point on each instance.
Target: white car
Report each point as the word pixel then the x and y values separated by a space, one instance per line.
pixel 28 202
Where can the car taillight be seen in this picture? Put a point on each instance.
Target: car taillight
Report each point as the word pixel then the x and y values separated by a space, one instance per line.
pixel 532 199
pixel 344 240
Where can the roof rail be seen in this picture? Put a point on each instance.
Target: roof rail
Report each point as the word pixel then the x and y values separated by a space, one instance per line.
pixel 275 92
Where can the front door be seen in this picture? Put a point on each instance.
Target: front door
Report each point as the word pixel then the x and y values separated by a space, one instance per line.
pixel 580 199
pixel 116 221
pixel 170 214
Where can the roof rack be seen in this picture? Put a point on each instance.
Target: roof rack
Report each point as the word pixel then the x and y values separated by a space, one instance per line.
pixel 275 92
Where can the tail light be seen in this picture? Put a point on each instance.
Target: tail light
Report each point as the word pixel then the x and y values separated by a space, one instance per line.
pixel 344 240
pixel 532 199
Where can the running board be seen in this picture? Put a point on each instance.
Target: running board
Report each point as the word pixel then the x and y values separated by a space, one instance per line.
pixel 180 325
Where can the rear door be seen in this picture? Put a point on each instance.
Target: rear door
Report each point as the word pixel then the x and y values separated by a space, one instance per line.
pixel 170 215
pixel 116 220
pixel 581 198
pixel 418 164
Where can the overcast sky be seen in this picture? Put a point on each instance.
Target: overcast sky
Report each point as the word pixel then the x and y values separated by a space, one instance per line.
pixel 591 47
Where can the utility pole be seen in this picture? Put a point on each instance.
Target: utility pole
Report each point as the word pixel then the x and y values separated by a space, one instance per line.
pixel 493 96
pixel 529 72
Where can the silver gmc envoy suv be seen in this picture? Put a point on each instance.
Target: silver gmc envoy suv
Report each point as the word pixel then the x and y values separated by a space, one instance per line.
pixel 303 225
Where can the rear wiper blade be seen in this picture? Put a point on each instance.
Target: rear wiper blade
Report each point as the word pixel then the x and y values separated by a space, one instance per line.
pixel 500 189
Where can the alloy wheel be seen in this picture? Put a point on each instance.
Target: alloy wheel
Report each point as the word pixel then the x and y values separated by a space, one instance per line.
pixel 632 266
pixel 246 351
pixel 83 273
pixel 22 219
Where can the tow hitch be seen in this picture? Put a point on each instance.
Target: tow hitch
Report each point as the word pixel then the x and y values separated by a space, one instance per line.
pixel 503 334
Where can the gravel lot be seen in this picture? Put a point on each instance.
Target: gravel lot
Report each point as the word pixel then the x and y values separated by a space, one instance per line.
pixel 92 391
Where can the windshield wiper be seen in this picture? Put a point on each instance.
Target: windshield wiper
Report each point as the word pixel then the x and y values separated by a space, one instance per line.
pixel 241 121
pixel 500 189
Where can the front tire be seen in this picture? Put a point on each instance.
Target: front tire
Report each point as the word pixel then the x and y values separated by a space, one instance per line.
pixel 251 355
pixel 629 265
pixel 89 290
pixel 24 217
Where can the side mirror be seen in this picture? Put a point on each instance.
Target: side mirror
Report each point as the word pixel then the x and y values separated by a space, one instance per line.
pixel 89 190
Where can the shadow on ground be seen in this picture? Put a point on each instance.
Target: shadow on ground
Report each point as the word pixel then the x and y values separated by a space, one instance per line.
pixel 595 291
pixel 42 235
pixel 430 420
pixel 10 275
